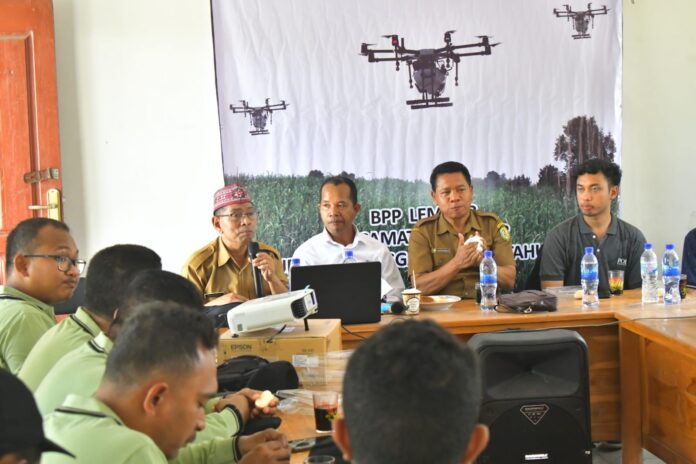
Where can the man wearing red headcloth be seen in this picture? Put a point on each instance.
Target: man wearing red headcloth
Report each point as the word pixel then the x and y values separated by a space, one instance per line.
pixel 222 270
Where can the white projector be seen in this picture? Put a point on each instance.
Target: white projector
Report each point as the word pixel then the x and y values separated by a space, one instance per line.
pixel 268 311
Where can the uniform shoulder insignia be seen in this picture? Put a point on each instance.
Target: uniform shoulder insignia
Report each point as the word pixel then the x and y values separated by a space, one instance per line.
pixel 269 248
pixel 503 230
pixel 489 214
pixel 426 220
pixel 199 257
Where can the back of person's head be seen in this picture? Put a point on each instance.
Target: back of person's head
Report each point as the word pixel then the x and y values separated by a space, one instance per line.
pixel 611 170
pixel 448 167
pixel 162 337
pixel 110 271
pixel 155 285
pixel 342 180
pixel 22 239
pixel 411 394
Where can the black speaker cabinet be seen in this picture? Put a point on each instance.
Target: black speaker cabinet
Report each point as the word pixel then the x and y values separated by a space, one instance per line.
pixel 535 397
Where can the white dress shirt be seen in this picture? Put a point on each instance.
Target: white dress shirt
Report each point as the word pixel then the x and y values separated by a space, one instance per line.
pixel 322 249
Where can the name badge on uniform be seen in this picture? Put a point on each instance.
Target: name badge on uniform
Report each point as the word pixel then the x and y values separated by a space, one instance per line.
pixel 436 251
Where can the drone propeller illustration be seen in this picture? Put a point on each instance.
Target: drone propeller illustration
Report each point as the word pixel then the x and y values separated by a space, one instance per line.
pixel 259 114
pixel 581 19
pixel 428 67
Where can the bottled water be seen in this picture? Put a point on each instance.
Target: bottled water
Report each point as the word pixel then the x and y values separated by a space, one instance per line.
pixel 648 272
pixel 670 273
pixel 348 257
pixel 488 272
pixel 589 276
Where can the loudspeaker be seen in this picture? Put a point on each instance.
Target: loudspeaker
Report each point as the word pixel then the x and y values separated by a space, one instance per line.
pixel 535 397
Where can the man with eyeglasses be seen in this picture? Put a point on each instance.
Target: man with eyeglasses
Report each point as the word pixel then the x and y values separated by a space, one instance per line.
pixel 42 270
pixel 222 270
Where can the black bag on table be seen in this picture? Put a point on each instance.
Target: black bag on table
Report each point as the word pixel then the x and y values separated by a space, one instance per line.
pixel 527 301
pixel 257 373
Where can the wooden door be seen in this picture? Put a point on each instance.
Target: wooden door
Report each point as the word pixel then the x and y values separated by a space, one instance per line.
pixel 29 146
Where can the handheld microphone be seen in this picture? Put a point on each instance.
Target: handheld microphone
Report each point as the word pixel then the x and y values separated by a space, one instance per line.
pixel 255 271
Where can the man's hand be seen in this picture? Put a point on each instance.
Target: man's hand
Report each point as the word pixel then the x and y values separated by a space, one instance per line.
pixel 467 255
pixel 266 263
pixel 266 446
pixel 244 400
pixel 226 298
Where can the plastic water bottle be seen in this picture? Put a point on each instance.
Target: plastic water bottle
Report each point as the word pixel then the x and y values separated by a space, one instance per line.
pixel 348 257
pixel 670 273
pixel 589 276
pixel 648 272
pixel 488 272
pixel 293 263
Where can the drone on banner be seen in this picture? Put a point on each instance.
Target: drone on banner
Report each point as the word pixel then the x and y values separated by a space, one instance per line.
pixel 259 114
pixel 428 67
pixel 581 19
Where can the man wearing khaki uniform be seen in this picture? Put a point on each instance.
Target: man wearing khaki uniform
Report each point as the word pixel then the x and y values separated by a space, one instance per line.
pixel 438 252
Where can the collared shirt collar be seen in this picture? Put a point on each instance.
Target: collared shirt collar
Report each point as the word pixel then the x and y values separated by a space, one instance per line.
pixel 585 229
pixel 86 321
pixel 11 291
pixel 79 403
pixel 103 342
pixel 223 255
pixel 443 226
pixel 353 244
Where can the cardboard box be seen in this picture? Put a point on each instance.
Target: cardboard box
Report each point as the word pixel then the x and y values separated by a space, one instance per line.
pixel 303 349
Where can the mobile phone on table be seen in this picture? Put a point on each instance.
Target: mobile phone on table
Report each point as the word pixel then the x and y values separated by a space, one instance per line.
pixel 301 444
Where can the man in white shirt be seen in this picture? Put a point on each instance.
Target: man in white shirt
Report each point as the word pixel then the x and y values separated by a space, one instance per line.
pixel 338 208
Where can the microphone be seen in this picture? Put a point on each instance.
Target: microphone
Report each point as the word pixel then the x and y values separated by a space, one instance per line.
pixel 255 271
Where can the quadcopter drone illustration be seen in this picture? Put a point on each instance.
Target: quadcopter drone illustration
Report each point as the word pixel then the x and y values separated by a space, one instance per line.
pixel 259 114
pixel 581 19
pixel 428 67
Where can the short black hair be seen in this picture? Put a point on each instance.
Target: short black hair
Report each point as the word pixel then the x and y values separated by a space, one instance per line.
pixel 110 271
pixel 338 180
pixel 448 167
pixel 411 377
pixel 611 170
pixel 155 285
pixel 159 336
pixel 21 238
pixel 31 455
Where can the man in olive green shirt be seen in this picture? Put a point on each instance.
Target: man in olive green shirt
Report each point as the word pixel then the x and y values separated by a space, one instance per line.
pixel 222 270
pixel 159 375
pixel 110 270
pixel 438 252
pixel 42 270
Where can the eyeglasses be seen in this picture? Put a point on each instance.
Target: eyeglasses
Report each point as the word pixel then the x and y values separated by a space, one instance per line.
pixel 237 216
pixel 64 262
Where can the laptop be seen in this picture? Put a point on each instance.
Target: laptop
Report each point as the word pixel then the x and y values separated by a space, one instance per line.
pixel 350 292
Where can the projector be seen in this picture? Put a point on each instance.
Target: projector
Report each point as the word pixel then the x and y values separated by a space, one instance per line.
pixel 268 311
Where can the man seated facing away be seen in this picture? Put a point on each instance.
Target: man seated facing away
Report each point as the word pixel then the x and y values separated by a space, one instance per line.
pixel 151 401
pixel 110 271
pixel 42 270
pixel 437 250
pixel 222 270
pixel 689 258
pixel 423 406
pixel 338 207
pixel 89 360
pixel 617 244
pixel 22 439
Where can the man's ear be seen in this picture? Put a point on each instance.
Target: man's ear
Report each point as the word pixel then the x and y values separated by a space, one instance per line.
pixel 477 443
pixel 613 192
pixel 215 220
pixel 20 264
pixel 340 437
pixel 155 396
pixel 357 208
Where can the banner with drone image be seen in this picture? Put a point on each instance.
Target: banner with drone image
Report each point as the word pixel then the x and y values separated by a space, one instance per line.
pixel 518 91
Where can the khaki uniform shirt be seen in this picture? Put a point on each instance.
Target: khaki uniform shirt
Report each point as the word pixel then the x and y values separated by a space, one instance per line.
pixel 23 320
pixel 80 372
pixel 434 242
pixel 93 432
pixel 213 270
pixel 69 334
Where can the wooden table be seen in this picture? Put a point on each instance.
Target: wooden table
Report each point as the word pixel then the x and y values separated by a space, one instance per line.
pixel 597 326
pixel 658 381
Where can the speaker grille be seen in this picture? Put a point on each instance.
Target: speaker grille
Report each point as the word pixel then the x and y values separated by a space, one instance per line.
pixel 299 310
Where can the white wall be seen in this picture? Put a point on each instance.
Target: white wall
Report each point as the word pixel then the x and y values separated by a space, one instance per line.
pixel 138 123
pixel 141 147
pixel 659 187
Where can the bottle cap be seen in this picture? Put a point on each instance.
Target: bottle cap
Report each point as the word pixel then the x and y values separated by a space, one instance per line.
pixel 348 253
pixel 295 261
pixel 669 246
pixel 648 246
pixel 589 250
pixel 488 254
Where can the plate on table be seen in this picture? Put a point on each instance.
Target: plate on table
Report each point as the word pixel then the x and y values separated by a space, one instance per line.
pixel 438 302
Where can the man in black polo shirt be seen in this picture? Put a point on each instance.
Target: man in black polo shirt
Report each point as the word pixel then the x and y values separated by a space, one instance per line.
pixel 617 244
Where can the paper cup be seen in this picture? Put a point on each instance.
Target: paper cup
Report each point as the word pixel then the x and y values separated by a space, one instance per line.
pixel 412 300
